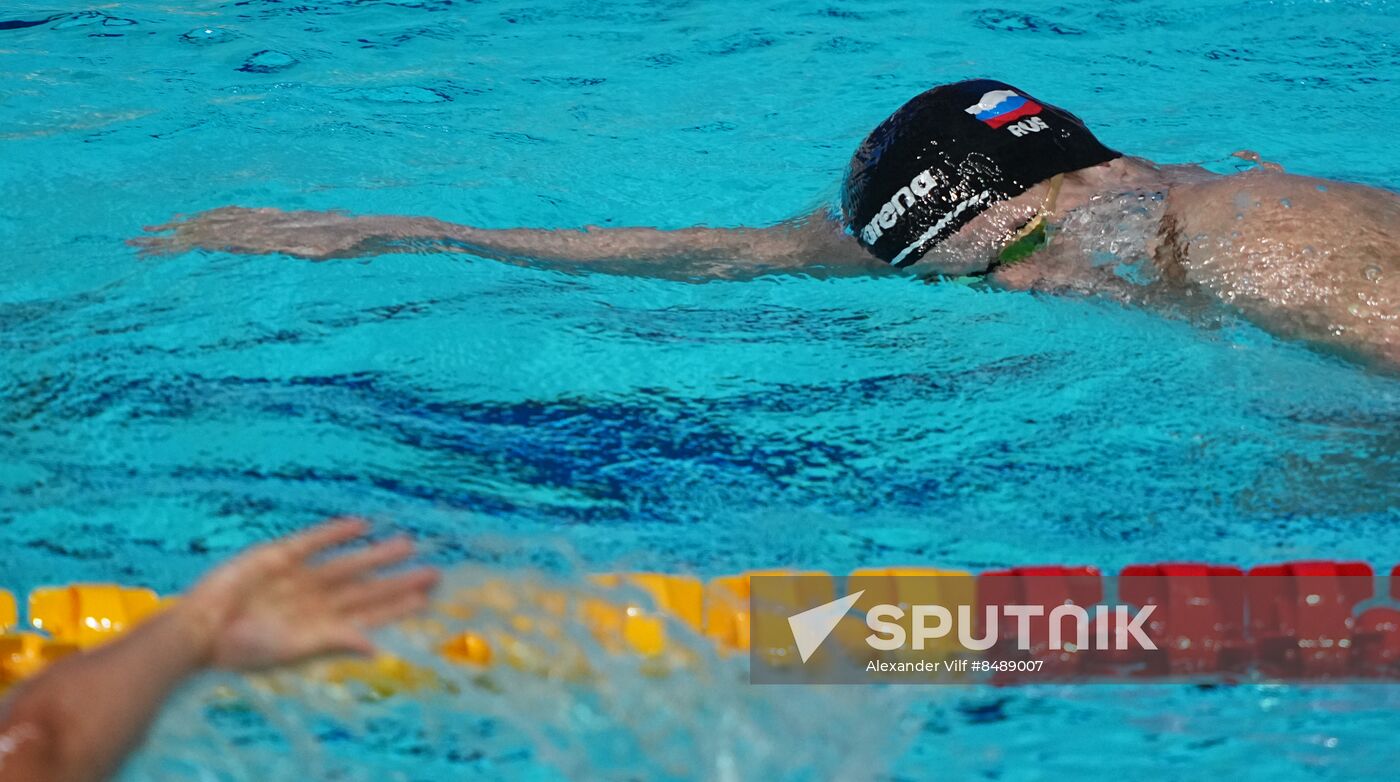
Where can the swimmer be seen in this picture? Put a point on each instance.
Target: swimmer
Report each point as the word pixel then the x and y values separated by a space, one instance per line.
pixel 975 179
pixel 272 606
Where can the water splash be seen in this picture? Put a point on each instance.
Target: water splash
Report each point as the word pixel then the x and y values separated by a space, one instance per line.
pixel 557 698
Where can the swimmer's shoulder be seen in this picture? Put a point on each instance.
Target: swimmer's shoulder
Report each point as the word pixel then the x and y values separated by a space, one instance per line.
pixel 1310 258
pixel 1262 192
pixel 1275 216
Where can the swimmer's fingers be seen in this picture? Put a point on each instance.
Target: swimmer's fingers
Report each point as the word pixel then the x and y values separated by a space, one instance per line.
pixel 373 604
pixel 391 609
pixel 223 214
pixel 182 235
pixel 181 220
pixel 1257 159
pixel 175 223
pixel 372 596
pixel 152 246
pixel 163 227
pixel 323 536
pixel 357 564
pixel 281 558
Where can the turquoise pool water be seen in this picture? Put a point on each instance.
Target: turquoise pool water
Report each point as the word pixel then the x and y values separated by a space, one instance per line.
pixel 156 415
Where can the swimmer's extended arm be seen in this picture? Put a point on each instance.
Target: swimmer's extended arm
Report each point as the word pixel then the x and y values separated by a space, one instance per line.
pixel 79 719
pixel 812 243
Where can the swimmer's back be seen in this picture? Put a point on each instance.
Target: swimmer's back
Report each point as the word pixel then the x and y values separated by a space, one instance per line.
pixel 1307 258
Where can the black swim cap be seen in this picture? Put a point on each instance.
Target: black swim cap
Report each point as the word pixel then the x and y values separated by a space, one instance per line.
pixel 950 153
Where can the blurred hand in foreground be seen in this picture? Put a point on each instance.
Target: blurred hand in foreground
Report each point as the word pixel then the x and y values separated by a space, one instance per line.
pixel 273 605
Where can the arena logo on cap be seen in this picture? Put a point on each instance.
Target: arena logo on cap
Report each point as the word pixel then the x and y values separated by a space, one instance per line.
pixel 998 107
pixel 921 185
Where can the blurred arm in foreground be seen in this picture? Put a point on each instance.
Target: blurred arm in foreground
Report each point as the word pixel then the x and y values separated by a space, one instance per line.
pixel 269 606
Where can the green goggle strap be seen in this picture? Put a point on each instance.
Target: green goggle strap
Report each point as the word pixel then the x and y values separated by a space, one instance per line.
pixel 1034 235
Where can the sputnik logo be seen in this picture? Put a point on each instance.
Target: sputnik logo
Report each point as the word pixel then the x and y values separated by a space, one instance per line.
pixel 812 626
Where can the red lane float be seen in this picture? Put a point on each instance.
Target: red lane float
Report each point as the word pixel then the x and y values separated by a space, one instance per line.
pixel 1198 623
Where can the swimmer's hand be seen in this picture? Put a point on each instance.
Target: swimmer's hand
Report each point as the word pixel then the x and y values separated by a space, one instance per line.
pixel 273 605
pixel 78 719
pixel 316 236
pixel 1257 159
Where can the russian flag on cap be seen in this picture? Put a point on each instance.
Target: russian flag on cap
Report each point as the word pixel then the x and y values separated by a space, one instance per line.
pixel 998 107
